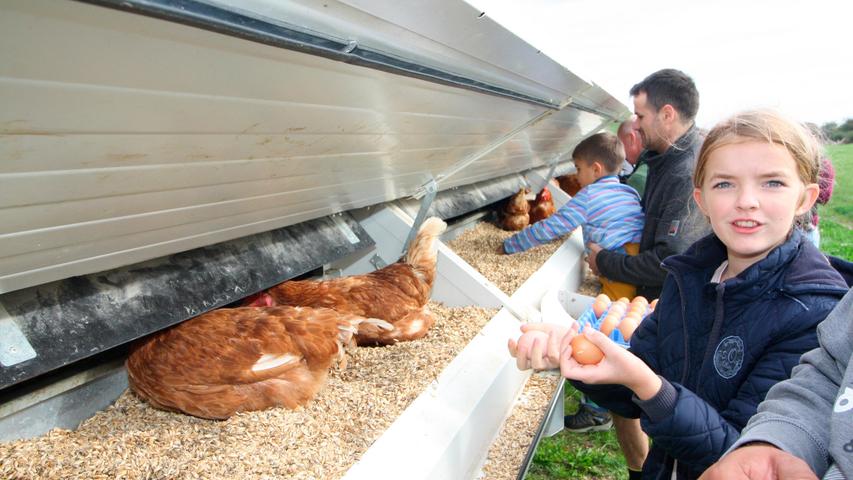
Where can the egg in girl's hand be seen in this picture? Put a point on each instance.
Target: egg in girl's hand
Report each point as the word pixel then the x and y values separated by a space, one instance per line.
pixel 585 352
pixel 624 300
pixel 610 322
pixel 600 304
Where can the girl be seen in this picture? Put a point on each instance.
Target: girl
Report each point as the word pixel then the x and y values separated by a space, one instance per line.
pixel 737 309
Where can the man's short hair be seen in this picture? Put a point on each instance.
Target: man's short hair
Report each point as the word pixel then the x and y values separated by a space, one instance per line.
pixel 672 87
pixel 604 148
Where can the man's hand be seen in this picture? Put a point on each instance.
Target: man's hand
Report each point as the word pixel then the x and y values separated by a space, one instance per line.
pixel 759 461
pixel 591 257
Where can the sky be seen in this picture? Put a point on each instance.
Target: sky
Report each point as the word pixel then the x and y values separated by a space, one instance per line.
pixel 793 56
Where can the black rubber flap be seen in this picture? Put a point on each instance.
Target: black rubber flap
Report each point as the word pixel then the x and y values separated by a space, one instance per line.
pixel 71 319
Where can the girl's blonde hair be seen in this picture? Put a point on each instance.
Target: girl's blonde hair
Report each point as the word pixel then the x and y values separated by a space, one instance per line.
pixel 763 126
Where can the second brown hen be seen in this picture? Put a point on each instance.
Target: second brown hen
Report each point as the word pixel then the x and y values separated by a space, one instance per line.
pixel 542 207
pixel 397 293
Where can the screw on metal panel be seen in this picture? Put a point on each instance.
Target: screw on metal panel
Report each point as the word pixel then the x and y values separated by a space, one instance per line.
pixel 377 262
pixel 14 347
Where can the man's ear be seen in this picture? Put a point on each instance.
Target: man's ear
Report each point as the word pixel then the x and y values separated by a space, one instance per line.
pixel 810 195
pixel 697 197
pixel 668 114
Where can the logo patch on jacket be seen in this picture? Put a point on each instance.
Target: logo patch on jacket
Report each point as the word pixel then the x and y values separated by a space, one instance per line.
pixel 673 227
pixel 844 401
pixel 728 358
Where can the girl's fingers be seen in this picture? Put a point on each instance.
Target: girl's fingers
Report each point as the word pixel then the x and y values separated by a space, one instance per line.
pixel 567 339
pixel 538 327
pixel 522 363
pixel 575 327
pixel 567 363
pixel 513 347
pixel 536 360
pixel 601 341
pixel 554 348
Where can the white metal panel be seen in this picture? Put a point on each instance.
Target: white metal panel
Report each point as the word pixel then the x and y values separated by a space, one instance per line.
pixel 125 138
pixel 449 35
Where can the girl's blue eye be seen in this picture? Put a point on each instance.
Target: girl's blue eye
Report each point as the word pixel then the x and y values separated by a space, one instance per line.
pixel 775 183
pixel 721 185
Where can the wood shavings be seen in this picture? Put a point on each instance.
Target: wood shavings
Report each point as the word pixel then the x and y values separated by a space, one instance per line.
pixel 590 286
pixel 506 454
pixel 482 248
pixel 131 440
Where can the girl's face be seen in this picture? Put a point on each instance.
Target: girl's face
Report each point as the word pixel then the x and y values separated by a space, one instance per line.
pixel 751 194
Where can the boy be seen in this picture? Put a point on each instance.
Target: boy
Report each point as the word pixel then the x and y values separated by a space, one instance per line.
pixel 608 211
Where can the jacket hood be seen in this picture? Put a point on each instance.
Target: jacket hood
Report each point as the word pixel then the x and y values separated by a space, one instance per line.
pixel 843 267
pixel 809 270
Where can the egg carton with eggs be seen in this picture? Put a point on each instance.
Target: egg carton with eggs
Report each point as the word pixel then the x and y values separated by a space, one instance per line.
pixel 618 319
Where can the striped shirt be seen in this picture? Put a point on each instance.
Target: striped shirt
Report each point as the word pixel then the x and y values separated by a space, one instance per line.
pixel 609 212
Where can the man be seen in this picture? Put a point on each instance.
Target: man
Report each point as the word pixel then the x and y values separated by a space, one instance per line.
pixel 666 103
pixel 636 172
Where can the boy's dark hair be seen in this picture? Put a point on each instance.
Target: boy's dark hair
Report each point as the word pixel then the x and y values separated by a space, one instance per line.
pixel 604 148
pixel 673 87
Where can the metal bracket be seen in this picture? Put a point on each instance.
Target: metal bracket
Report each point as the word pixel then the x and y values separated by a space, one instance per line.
pixel 430 190
pixel 377 262
pixel 14 347
pixel 548 175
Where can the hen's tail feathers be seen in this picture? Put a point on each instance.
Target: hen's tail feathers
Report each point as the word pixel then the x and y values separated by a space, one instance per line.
pixel 422 251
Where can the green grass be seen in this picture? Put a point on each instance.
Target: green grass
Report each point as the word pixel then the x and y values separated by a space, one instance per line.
pixel 593 455
pixel 836 217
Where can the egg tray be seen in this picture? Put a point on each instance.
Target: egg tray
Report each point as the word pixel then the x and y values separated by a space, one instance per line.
pixel 588 318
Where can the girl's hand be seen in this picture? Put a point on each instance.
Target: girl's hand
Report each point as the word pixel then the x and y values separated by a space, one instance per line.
pixel 535 349
pixel 619 366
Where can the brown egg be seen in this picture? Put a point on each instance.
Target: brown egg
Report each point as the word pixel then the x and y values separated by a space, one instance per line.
pixel 618 307
pixel 628 325
pixel 585 352
pixel 638 309
pixel 600 304
pixel 639 300
pixel 610 322
pixel 624 300
pixel 653 305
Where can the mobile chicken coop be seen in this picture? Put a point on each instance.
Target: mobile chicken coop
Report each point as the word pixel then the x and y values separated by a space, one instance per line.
pixel 162 158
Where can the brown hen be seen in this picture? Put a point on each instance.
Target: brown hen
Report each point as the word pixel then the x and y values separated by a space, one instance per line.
pixel 397 293
pixel 570 184
pixel 514 215
pixel 240 359
pixel 542 207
